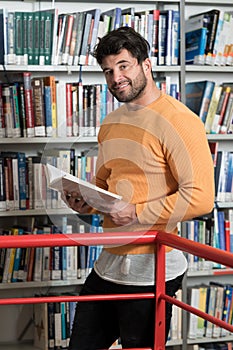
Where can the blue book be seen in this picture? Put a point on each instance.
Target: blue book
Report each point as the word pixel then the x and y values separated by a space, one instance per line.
pixel 48 110
pixel 63 324
pixel 195 42
pixel 221 227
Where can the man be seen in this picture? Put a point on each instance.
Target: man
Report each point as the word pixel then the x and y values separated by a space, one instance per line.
pixel 153 152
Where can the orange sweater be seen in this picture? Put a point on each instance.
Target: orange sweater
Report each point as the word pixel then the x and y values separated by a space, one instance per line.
pixel 157 158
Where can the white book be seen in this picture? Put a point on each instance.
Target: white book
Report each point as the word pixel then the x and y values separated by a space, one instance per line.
pixel 95 196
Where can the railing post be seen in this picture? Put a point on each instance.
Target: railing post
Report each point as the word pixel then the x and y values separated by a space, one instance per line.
pixel 159 341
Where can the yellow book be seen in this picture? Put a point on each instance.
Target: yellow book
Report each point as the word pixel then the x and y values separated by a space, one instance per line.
pixel 212 108
pixel 15 232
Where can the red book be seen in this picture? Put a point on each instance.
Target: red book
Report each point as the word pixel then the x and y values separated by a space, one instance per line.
pixel 69 112
pixel 30 118
pixel 227 235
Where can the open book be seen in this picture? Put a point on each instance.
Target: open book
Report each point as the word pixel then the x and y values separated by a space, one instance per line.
pixel 95 196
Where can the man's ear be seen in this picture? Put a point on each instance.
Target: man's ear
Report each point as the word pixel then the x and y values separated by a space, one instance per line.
pixel 147 65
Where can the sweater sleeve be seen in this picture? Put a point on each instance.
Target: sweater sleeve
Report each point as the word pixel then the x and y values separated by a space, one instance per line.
pixel 186 152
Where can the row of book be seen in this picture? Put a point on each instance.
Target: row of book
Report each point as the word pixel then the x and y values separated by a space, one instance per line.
pixel 43 107
pixel 215 299
pixel 208 38
pixel 223 173
pixel 46 107
pixel 215 230
pixel 213 103
pixel 53 323
pixel 49 263
pixel 47 37
pixel 24 182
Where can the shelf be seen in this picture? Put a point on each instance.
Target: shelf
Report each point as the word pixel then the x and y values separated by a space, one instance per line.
pixel 209 340
pixel 37 212
pixel 209 2
pixel 42 284
pixel 220 137
pixel 69 69
pixel 211 69
pixel 213 272
pixel 48 140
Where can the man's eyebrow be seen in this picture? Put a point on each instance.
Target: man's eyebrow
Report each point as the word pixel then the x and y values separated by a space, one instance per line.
pixel 119 62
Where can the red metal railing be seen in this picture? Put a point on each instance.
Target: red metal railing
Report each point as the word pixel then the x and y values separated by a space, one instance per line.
pixel 159 239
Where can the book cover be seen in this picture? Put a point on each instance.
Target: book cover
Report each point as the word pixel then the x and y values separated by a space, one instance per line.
pixel 193 300
pixel 30 37
pixel 195 43
pixel 67 38
pixel 2 36
pixel 80 29
pixel 94 195
pixel 3 206
pixel 38 105
pixel 96 18
pixel 18 29
pixel 10 38
pixel 162 37
pixel 84 40
pixel 36 37
pixel 212 108
pixel 50 82
pixel 30 117
pixel 210 21
pixel 198 96
pixel 40 321
pixel 50 23
pixel 221 110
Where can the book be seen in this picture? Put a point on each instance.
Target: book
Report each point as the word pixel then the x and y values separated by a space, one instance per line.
pixel 198 96
pixel 49 34
pixel 202 306
pixel 162 37
pixel 49 81
pixel 3 43
pixel 18 30
pixel 195 43
pixel 221 110
pixel 39 107
pixel 95 196
pixel 30 117
pixel 36 38
pixel 85 36
pixel 212 108
pixel 96 17
pixel 80 29
pixel 30 37
pixel 193 300
pixel 67 38
pixel 3 205
pixel 210 21
pixel 40 321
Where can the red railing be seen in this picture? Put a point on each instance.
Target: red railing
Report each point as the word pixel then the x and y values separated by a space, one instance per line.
pixel 159 239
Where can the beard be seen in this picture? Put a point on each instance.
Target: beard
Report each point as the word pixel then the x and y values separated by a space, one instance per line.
pixel 135 87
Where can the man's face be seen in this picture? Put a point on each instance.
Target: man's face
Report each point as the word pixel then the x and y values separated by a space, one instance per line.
pixel 125 77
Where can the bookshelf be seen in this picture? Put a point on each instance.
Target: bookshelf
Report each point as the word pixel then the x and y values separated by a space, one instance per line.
pixel 92 74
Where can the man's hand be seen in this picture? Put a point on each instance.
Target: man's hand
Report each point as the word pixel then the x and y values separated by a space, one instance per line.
pixel 123 213
pixel 76 202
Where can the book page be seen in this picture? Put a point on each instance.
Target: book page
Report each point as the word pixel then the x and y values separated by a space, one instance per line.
pixel 95 196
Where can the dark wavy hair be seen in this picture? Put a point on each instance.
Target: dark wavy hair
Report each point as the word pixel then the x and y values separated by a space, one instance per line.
pixel 122 38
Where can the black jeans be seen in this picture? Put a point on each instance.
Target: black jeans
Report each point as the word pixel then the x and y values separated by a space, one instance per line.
pixel 97 324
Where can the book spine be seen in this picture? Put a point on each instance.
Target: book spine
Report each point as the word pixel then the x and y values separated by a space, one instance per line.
pixel 30 119
pixel 38 104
